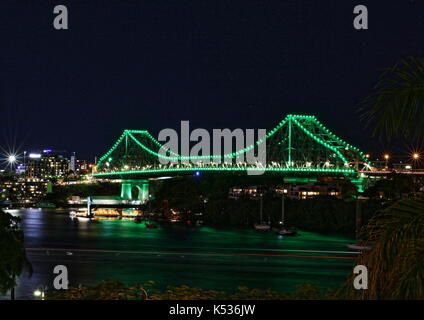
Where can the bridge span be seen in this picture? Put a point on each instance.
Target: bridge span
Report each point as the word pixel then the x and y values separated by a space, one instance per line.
pixel 298 146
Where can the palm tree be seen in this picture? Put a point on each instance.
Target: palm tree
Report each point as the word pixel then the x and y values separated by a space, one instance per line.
pixel 396 108
pixel 12 252
pixel 395 263
pixel 396 234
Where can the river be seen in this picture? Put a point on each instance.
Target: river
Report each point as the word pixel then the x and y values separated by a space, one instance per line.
pixel 205 257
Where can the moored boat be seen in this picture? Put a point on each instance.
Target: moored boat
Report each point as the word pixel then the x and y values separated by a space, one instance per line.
pixel 287 231
pixel 262 226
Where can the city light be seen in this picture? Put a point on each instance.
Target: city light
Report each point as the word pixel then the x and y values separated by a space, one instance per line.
pixel 386 156
pixel 39 293
pixel 35 155
pixel 11 158
pixel 415 156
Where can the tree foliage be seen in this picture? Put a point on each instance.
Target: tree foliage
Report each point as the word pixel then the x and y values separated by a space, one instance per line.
pixel 61 193
pixel 12 251
pixel 105 290
pixel 395 263
pixel 116 290
pixel 396 108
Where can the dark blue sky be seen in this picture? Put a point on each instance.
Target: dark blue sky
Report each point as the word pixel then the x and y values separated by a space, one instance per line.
pixel 150 64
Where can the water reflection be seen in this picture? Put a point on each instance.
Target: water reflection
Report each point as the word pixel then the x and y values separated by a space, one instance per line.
pixel 204 257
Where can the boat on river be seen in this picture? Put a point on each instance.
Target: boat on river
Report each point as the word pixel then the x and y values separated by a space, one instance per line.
pixel 262 226
pixel 284 231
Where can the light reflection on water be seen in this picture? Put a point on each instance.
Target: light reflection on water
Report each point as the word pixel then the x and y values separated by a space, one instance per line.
pixel 204 257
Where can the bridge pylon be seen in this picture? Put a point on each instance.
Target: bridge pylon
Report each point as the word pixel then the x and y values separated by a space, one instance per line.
pixel 141 186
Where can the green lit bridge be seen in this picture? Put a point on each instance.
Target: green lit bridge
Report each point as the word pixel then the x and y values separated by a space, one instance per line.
pixel 299 146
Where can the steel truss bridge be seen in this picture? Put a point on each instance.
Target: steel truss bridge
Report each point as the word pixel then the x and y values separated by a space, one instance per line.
pixel 298 146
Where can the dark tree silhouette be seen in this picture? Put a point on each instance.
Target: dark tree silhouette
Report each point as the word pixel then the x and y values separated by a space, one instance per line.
pixel 12 252
pixel 396 108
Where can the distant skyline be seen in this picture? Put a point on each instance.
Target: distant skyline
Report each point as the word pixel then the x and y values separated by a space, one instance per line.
pixel 239 64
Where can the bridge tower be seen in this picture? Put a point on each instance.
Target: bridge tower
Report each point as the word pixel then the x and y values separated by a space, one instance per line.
pixel 142 187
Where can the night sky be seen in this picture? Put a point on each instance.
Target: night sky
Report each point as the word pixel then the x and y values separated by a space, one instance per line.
pixel 220 64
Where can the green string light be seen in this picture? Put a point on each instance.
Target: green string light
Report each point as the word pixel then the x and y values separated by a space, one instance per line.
pixel 193 169
pixel 295 118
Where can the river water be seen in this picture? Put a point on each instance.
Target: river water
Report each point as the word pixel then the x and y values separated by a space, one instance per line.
pixel 206 257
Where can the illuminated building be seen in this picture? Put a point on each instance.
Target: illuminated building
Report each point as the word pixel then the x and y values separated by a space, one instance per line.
pixel 47 165
pixel 21 190
pixel 299 190
pixel 82 167
pixel 251 192
pixel 72 163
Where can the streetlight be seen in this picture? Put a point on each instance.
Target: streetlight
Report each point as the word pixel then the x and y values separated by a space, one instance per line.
pixel 40 292
pixel 415 156
pixel 11 158
pixel 37 293
pixel 386 157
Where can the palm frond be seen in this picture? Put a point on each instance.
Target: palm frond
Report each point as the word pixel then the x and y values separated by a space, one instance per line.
pixel 396 108
pixel 395 263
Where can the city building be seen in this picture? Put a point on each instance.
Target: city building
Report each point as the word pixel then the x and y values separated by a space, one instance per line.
pixel 294 190
pixel 47 165
pixel 309 190
pixel 83 167
pixel 22 190
pixel 72 163
pixel 251 192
